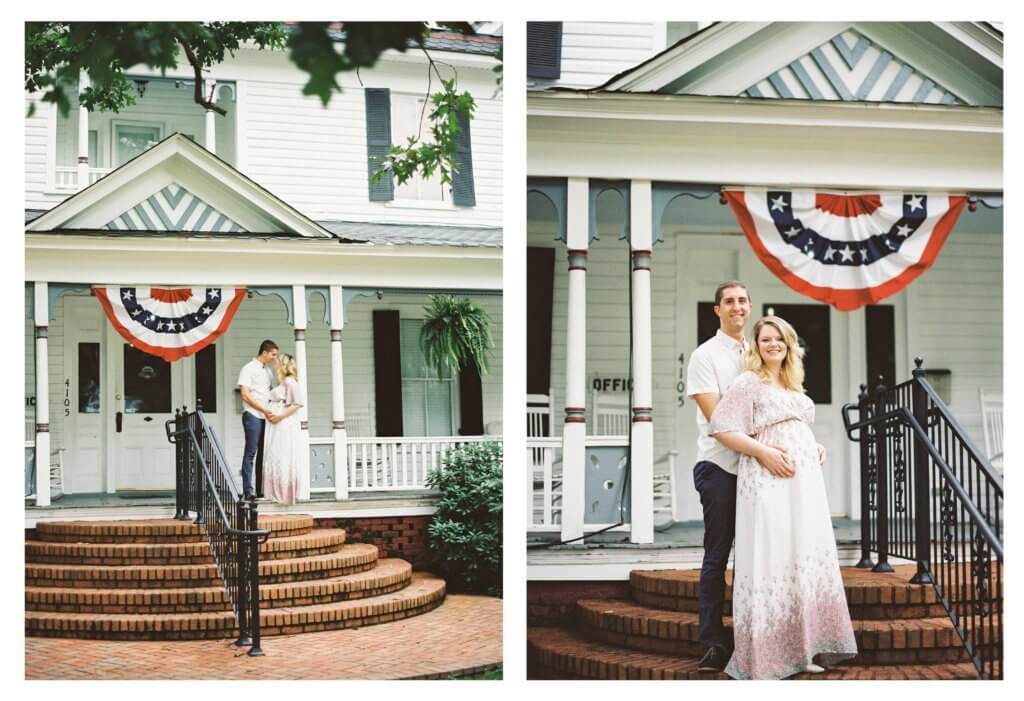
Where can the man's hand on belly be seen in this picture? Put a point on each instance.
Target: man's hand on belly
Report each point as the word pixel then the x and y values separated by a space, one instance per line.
pixel 774 459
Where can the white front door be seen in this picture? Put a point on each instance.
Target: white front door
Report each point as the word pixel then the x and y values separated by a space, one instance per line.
pixel 146 391
pixel 704 262
pixel 84 399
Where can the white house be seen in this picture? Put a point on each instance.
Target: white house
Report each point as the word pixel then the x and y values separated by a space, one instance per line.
pixel 633 132
pixel 273 197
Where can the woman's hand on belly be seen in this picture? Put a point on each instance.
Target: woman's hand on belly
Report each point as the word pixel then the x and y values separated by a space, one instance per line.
pixel 774 459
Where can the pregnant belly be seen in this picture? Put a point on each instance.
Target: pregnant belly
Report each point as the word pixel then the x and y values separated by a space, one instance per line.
pixel 793 434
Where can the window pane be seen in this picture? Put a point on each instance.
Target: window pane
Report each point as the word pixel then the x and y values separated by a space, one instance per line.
pixel 408 118
pixel 439 408
pixel 131 141
pixel 147 383
pixel 206 378
pixel 414 416
pixel 94 160
pixel 88 378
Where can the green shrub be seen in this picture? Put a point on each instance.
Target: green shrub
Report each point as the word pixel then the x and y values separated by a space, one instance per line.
pixel 465 532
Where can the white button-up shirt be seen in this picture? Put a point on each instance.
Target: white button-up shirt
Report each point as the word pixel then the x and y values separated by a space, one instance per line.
pixel 257 377
pixel 712 369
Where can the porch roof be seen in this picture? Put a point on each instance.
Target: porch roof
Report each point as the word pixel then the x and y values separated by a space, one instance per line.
pixel 351 232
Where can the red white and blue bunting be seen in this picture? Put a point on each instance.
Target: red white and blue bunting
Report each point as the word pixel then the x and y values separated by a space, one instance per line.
pixel 170 323
pixel 845 249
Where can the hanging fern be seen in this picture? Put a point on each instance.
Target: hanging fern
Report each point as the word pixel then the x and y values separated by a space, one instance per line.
pixel 455 333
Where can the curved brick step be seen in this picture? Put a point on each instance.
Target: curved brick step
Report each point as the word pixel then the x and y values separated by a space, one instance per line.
pixel 424 592
pixel 347 560
pixel 387 576
pixel 626 624
pixel 871 595
pixel 317 542
pixel 165 530
pixel 553 653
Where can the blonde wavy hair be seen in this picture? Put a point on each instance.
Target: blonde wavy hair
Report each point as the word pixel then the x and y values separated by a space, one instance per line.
pixel 286 367
pixel 791 374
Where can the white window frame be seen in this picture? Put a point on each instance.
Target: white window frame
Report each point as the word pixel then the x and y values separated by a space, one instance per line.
pixel 453 386
pixel 161 128
pixel 399 102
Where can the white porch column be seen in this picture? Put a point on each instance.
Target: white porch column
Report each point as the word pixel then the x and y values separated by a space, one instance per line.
pixel 299 309
pixel 41 319
pixel 642 426
pixel 83 136
pixel 338 432
pixel 574 433
pixel 210 138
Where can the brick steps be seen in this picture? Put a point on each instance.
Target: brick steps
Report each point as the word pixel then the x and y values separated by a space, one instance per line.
pixel 554 653
pixel 346 560
pixel 423 593
pixel 166 530
pixel 871 595
pixel 638 627
pixel 387 576
pixel 318 542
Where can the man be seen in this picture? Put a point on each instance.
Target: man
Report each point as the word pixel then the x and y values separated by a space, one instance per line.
pixel 254 382
pixel 712 369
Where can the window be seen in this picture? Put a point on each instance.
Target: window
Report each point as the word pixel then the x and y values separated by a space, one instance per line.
pixel 147 383
pixel 94 149
pixel 206 378
pixel 88 378
pixel 410 119
pixel 428 403
pixel 811 322
pixel 132 139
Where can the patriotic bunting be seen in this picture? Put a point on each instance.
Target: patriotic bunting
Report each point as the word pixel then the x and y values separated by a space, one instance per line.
pixel 170 323
pixel 845 249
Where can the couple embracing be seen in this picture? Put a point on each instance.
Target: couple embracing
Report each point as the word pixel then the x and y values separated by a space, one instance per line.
pixel 272 397
pixel 759 476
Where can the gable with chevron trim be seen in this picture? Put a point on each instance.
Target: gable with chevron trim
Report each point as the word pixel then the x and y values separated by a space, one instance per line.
pixel 173 208
pixel 852 68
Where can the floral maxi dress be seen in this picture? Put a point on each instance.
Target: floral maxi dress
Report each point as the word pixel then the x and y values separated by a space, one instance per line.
pixel 285 477
pixel 788 604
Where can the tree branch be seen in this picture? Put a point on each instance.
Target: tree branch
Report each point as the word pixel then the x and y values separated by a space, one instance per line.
pixel 197 67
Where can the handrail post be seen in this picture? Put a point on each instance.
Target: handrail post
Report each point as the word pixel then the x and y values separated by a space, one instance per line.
pixel 253 553
pixel 241 555
pixel 922 484
pixel 198 481
pixel 865 478
pixel 182 484
pixel 882 470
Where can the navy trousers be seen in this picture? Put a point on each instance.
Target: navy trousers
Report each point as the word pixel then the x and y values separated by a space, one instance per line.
pixel 253 427
pixel 717 489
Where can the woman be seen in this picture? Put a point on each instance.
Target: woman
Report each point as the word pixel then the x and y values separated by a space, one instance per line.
pixel 284 476
pixel 788 604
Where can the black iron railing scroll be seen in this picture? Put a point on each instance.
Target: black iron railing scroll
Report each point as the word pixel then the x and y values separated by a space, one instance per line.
pixel 929 495
pixel 204 486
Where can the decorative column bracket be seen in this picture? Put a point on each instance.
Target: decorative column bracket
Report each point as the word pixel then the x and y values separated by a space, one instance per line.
pixel 663 193
pixel 284 293
pixel 324 292
pixel 556 192
pixel 56 289
pixel 598 188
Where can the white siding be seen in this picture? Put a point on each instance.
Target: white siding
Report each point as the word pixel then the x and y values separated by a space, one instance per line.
pixel 592 52
pixel 312 157
pixel 959 309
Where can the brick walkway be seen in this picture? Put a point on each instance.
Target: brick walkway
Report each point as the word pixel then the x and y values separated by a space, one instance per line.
pixel 464 633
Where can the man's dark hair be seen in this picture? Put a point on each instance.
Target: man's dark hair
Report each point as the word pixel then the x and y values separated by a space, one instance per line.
pixel 726 285
pixel 267 345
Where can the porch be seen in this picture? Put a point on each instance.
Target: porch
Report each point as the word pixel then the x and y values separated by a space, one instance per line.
pixel 599 335
pixel 375 426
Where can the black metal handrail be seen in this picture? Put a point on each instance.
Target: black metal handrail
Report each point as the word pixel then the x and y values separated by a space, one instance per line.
pixel 203 484
pixel 929 495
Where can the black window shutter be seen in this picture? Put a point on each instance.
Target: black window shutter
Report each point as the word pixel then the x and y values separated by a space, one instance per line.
pixel 540 282
pixel 471 402
pixel 543 49
pixel 463 192
pixel 378 141
pixel 387 372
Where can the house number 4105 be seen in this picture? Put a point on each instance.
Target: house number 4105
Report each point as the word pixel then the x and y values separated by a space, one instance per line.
pixel 681 383
pixel 67 396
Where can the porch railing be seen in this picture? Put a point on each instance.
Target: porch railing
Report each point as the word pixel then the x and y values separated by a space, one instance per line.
pixel 204 485
pixel 544 478
pixel 929 495
pixel 66 177
pixel 379 464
